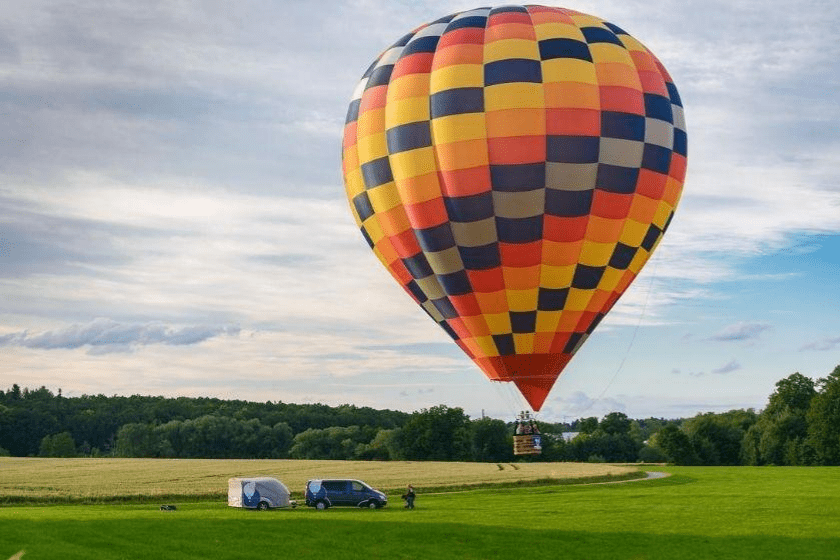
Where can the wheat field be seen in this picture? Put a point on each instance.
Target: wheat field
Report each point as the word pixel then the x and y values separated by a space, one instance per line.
pixel 99 478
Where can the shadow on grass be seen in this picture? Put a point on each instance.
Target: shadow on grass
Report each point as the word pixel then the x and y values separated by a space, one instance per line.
pixel 104 500
pixel 672 480
pixel 328 537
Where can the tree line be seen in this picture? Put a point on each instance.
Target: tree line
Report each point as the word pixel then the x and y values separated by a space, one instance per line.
pixel 799 426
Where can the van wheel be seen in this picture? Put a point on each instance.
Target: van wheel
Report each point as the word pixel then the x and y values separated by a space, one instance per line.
pixel 262 506
pixel 373 504
pixel 321 504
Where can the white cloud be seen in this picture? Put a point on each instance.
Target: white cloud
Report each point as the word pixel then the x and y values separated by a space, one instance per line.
pixel 823 345
pixel 741 332
pixel 728 367
pixel 179 166
pixel 104 333
pixel 579 404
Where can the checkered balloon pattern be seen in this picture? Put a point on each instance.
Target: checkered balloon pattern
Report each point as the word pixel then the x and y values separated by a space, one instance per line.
pixel 513 168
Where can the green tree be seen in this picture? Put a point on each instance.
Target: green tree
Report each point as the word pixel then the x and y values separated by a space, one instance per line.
pixel 58 445
pixel 600 447
pixel 335 442
pixel 91 424
pixel 717 438
pixel 23 428
pixel 381 448
pixel 792 393
pixel 280 441
pixel 646 434
pixel 138 440
pixel 27 415
pixel 779 435
pixel 492 441
pixel 554 448
pixel 777 439
pixel 642 430
pixel 439 433
pixel 824 420
pixel 609 441
pixel 652 454
pixel 587 425
pixel 615 423
pixel 676 445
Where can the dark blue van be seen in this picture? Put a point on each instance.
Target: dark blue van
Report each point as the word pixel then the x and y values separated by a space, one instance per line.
pixel 331 492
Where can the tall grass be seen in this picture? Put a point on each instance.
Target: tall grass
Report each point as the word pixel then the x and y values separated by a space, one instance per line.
pixel 102 480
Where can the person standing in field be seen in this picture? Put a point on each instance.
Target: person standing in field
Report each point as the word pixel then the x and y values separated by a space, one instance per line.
pixel 409 497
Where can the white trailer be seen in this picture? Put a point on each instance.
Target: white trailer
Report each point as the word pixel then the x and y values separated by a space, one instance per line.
pixel 261 492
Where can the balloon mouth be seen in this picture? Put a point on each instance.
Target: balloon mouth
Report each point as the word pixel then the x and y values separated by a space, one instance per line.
pixel 533 374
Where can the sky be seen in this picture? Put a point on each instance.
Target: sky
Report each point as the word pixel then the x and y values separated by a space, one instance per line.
pixel 173 219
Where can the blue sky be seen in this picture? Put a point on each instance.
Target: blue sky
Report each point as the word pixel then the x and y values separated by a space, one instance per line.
pixel 173 221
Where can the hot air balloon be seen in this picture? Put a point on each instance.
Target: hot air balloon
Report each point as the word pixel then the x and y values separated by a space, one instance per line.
pixel 513 168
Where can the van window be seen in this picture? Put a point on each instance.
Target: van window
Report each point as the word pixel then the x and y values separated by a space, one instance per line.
pixel 357 486
pixel 335 485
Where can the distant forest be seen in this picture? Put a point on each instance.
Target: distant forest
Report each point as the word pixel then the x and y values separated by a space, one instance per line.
pixel 799 426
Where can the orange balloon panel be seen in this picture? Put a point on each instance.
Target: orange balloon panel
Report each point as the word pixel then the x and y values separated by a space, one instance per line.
pixel 514 168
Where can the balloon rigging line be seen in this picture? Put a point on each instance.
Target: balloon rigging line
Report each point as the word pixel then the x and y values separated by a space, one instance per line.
pixel 516 402
pixel 633 337
pixel 512 399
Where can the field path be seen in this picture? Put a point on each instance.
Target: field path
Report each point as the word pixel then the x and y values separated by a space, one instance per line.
pixel 650 475
pixel 657 474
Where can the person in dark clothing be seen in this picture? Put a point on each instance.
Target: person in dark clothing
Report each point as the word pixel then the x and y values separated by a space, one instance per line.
pixel 409 497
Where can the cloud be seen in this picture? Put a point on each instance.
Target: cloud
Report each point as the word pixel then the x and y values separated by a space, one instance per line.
pixel 579 404
pixel 728 368
pixel 104 335
pixel 419 348
pixel 417 392
pixel 37 239
pixel 741 332
pixel 181 166
pixel 823 345
pixel 678 371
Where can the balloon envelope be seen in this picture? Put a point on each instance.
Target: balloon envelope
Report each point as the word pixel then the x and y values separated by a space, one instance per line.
pixel 514 168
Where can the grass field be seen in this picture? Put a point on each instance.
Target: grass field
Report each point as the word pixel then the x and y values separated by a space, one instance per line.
pixel 25 480
pixel 697 513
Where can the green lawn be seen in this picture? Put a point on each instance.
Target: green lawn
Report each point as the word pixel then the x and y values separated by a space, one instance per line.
pixel 715 513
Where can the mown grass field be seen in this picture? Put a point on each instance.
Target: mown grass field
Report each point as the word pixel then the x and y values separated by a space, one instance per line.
pixel 697 513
